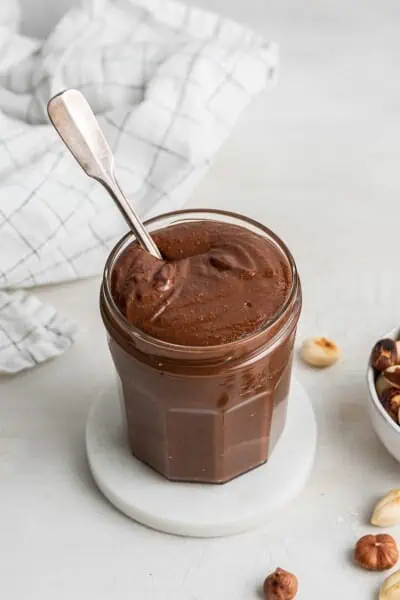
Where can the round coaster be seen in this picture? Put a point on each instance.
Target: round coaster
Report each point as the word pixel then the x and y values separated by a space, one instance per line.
pixel 196 509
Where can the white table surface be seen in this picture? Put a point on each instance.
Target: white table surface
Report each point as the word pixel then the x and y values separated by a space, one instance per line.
pixel 318 161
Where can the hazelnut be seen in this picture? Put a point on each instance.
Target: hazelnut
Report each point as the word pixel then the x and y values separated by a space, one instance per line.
pixel 319 352
pixel 390 589
pixel 390 399
pixel 382 385
pixel 376 552
pixel 387 511
pixel 385 353
pixel 392 375
pixel 280 585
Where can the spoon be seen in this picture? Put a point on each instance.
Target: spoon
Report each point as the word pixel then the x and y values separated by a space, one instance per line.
pixel 79 129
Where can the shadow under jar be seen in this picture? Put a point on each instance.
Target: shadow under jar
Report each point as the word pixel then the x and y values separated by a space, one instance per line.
pixel 204 413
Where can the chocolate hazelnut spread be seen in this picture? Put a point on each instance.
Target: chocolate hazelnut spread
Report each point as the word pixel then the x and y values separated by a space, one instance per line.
pixel 218 282
pixel 202 342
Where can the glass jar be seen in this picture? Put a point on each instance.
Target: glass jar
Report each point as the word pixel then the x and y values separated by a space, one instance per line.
pixel 209 413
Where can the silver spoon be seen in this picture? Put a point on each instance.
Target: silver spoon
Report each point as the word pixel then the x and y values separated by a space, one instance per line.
pixel 77 126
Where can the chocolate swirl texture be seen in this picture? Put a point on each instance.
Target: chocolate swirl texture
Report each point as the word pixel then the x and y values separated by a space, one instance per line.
pixel 217 283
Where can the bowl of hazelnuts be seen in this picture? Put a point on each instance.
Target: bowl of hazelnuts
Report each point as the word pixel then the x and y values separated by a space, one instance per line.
pixel 383 378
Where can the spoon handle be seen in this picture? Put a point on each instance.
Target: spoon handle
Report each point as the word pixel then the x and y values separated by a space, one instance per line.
pixel 79 129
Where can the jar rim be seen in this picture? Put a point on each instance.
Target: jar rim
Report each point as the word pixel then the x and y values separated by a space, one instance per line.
pixel 130 329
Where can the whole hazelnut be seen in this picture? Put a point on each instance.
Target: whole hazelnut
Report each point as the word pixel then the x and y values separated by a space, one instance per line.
pixel 385 354
pixel 376 552
pixel 280 585
pixel 390 399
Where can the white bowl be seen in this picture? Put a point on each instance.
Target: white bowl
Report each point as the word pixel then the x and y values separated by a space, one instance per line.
pixel 387 430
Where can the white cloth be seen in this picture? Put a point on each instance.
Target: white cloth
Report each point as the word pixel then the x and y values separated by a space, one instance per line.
pixel 30 331
pixel 168 83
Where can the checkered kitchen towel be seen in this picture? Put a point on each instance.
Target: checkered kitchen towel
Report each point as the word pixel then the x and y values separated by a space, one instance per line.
pixel 168 83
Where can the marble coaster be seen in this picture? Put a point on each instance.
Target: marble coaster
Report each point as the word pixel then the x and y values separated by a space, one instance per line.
pixel 197 509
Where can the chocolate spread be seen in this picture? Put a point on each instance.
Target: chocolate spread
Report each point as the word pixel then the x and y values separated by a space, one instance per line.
pixel 210 405
pixel 218 283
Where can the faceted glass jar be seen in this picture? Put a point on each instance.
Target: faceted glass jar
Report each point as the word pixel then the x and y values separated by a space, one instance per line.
pixel 205 413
